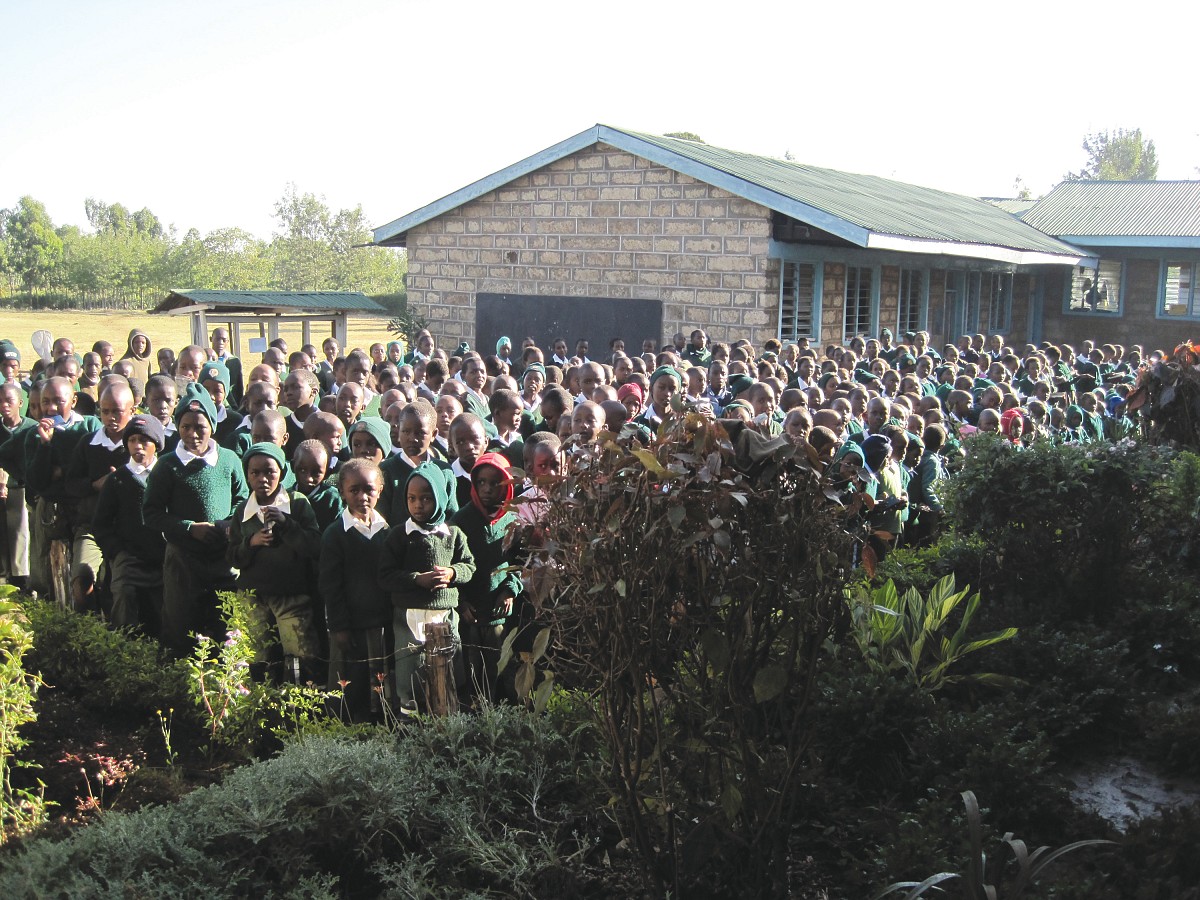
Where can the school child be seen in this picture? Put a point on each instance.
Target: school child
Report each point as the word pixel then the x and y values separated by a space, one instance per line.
pixel 14 557
pixel 219 341
pixel 555 401
pixel 273 541
pixel 414 434
pixel 299 394
pixel 423 563
pixel 348 406
pixel 762 400
pixel 92 462
pixel 138 354
pixel 506 409
pixel 190 363
pixel 370 438
pixel 189 494
pixel 448 408
pixel 664 384
pixel 533 380
pixel 310 464
pixel 486 602
pixel 469 441
pixel 260 395
pixel 215 379
pixel 357 609
pixel 587 421
pixel 161 396
pixel 329 430
pixel 133 552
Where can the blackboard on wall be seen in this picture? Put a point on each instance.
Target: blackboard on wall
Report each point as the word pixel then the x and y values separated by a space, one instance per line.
pixel 596 319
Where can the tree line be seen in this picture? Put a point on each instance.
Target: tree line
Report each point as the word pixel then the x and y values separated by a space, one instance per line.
pixel 128 260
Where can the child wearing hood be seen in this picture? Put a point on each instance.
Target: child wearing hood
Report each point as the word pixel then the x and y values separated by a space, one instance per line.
pixel 140 355
pixel 486 602
pixel 273 541
pixel 423 563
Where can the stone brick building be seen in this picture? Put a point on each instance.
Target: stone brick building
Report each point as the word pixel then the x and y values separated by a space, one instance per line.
pixel 613 233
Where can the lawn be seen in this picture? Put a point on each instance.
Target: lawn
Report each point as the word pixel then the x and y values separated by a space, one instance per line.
pixel 85 328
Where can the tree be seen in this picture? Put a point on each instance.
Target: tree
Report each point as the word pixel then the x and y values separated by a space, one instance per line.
pixel 33 248
pixel 686 136
pixel 1120 155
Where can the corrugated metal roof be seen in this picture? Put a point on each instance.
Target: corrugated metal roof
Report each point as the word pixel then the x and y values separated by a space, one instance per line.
pixel 1012 205
pixel 863 209
pixel 299 301
pixel 1120 209
pixel 879 205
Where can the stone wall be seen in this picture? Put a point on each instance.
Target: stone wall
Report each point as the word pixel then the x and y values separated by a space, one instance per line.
pixel 601 223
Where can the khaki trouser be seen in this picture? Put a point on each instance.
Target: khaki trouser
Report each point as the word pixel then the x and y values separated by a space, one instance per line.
pixel 410 655
pixel 360 672
pixel 137 588
pixel 292 616
pixel 190 585
pixel 16 561
pixel 39 550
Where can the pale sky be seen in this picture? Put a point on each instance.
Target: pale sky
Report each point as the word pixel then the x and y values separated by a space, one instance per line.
pixel 203 112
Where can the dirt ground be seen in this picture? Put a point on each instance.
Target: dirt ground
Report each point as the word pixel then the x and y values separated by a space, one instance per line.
pixel 85 328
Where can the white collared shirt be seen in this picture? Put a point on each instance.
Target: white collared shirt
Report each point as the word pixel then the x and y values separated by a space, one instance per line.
pixel 440 528
pixel 73 419
pixel 222 413
pixel 457 468
pixel 100 439
pixel 209 458
pixel 282 502
pixel 138 469
pixel 412 462
pixel 168 427
pixel 245 423
pixel 377 524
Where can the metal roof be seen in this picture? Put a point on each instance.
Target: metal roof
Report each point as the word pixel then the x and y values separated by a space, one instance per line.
pixel 271 301
pixel 866 210
pixel 1167 209
pixel 1012 205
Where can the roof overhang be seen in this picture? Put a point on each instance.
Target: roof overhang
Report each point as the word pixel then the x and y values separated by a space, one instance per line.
pixel 978 251
pixel 1177 242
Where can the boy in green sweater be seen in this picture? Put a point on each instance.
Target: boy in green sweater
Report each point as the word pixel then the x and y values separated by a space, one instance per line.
pixel 356 604
pixel 423 563
pixel 414 435
pixel 487 600
pixel 273 541
pixel 132 552
pixel 189 496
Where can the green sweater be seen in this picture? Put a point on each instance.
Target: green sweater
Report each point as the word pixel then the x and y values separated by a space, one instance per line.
pixel 12 449
pixel 349 579
pixel 178 496
pixel 48 468
pixel 326 503
pixel 404 555
pixel 285 568
pixel 118 522
pixel 492 562
pixel 393 504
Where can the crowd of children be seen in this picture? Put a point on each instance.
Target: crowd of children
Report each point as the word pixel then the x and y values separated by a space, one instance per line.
pixel 364 497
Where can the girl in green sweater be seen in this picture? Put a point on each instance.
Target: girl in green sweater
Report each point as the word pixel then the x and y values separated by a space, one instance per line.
pixel 423 563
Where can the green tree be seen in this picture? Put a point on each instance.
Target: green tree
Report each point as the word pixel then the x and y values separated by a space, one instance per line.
pixel 301 251
pixel 1119 155
pixel 33 248
pixel 686 136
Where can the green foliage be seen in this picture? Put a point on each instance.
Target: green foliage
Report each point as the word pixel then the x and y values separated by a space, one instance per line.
pixel 1064 522
pixel 105 669
pixel 904 632
pixel 692 600
pixel 1118 155
pixel 686 136
pixel 20 809
pixel 464 806
pixel 32 249
pixel 1029 866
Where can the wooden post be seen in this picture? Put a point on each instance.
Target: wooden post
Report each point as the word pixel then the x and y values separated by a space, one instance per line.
pixel 60 573
pixel 440 696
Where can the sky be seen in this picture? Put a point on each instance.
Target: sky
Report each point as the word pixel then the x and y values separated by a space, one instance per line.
pixel 205 112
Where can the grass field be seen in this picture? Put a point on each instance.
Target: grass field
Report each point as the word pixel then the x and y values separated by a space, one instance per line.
pixel 85 328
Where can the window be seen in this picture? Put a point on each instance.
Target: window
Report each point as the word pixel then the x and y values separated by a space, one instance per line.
pixel 1096 290
pixel 1180 297
pixel 950 324
pixel 857 316
pixel 912 301
pixel 1000 311
pixel 973 286
pixel 797 316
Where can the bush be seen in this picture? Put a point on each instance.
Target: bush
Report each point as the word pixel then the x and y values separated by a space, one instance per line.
pixel 460 806
pixel 104 669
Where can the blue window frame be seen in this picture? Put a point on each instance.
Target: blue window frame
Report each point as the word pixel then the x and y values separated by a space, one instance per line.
pixel 913 300
pixel 1000 308
pixel 1179 296
pixel 1095 291
pixel 858 314
pixel 799 301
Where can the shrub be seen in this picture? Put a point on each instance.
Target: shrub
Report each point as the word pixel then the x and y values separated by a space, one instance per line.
pixel 20 808
pixel 460 806
pixel 693 599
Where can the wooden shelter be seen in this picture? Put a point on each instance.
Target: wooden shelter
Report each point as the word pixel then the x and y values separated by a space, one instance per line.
pixel 260 313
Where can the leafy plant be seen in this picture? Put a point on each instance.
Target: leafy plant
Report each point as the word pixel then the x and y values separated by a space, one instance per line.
pixel 1030 866
pixel 20 808
pixel 692 598
pixel 904 632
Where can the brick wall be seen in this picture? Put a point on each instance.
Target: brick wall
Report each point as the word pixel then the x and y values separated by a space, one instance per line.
pixel 601 223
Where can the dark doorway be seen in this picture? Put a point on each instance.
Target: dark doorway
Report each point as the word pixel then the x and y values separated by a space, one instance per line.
pixel 595 319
